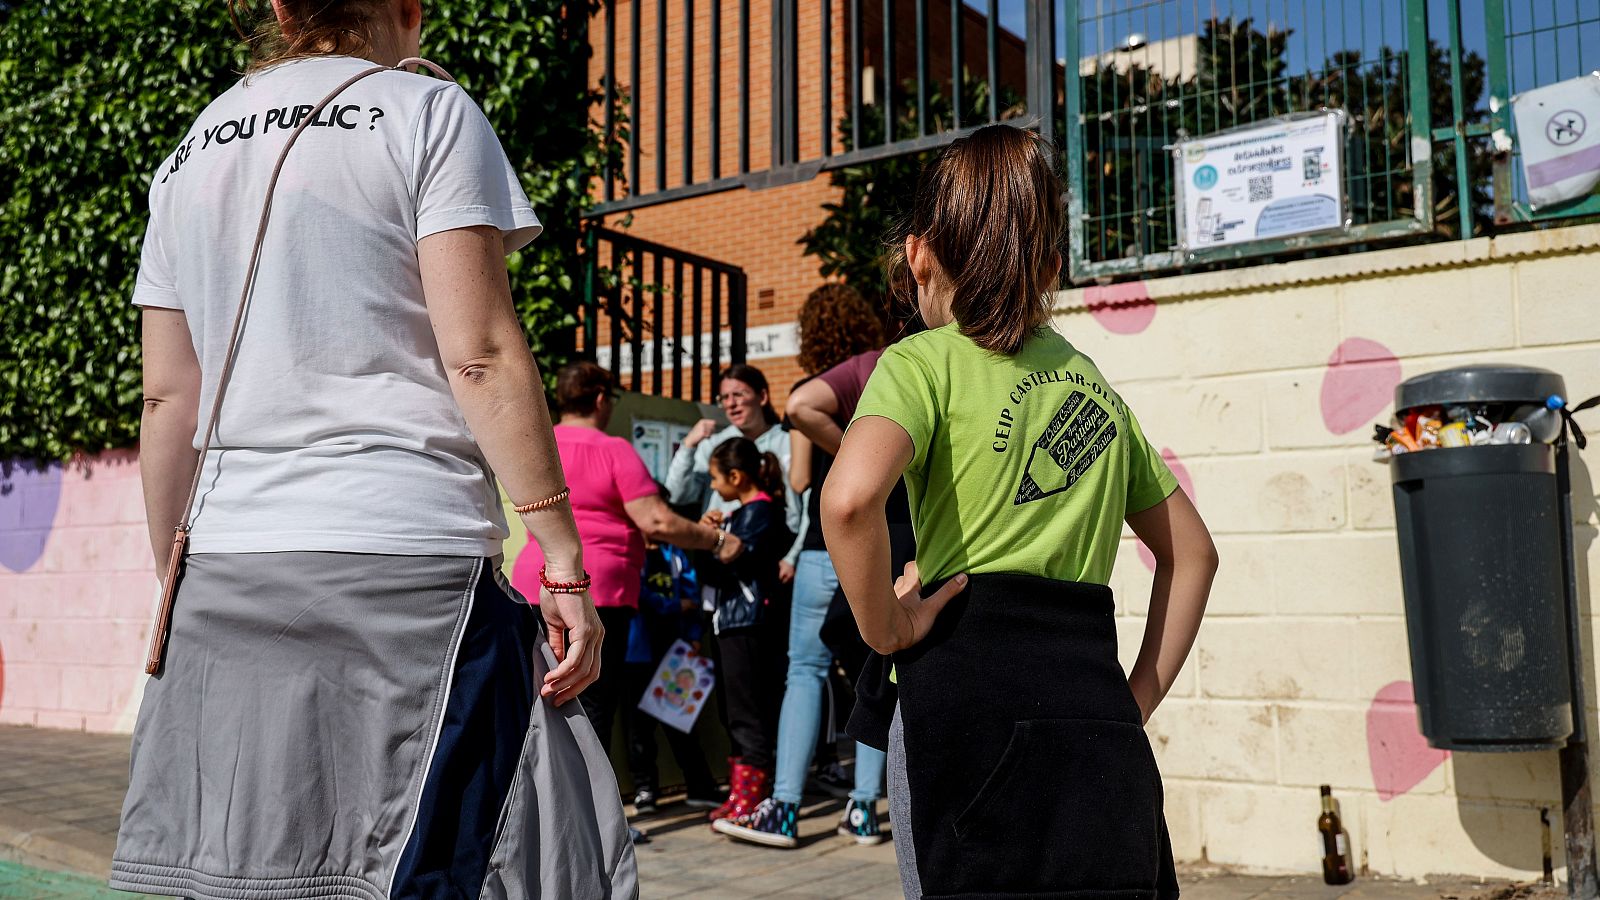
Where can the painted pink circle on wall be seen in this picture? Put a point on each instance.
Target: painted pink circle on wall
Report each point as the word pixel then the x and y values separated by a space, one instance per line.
pixel 1398 753
pixel 1358 384
pixel 1121 308
pixel 1185 482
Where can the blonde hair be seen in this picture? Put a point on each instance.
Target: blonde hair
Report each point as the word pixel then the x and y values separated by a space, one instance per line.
pixel 315 28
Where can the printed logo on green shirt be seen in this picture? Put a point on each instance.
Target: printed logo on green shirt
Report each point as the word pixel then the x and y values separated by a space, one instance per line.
pixel 1066 449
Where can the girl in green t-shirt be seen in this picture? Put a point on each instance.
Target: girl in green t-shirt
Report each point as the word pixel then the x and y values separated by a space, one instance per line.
pixel 1018 760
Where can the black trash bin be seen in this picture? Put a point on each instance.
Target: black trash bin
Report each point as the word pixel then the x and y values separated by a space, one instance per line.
pixel 1480 562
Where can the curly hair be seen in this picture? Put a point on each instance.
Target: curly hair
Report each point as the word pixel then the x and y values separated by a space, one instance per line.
pixel 836 323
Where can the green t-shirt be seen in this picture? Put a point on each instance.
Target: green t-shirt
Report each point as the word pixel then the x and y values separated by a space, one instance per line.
pixel 1025 463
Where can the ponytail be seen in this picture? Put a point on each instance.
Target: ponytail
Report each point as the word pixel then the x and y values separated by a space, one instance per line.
pixel 770 476
pixel 741 454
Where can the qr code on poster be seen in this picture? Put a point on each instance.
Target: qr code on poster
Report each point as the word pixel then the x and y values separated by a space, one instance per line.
pixel 1260 188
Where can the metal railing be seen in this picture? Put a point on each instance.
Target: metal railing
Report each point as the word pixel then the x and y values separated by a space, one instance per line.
pixel 1153 72
pixel 849 83
pixel 650 307
pixel 1427 86
pixel 1531 43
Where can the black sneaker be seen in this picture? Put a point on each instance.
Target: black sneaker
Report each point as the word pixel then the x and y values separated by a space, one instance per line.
pixel 644 801
pixel 861 823
pixel 832 779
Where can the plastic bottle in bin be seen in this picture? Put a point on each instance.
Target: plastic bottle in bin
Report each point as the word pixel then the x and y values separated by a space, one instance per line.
pixel 1544 423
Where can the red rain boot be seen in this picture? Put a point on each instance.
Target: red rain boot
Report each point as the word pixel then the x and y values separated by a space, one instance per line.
pixel 721 812
pixel 756 787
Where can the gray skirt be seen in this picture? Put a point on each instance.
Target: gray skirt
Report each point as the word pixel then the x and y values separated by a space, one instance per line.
pixel 336 725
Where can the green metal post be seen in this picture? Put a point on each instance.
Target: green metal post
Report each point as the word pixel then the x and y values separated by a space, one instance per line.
pixel 1494 12
pixel 1421 120
pixel 1458 113
pixel 1072 141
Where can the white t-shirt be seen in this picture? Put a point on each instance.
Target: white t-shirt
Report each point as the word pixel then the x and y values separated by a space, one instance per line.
pixel 338 430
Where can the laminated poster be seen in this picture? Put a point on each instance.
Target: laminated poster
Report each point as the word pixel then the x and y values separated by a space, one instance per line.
pixel 1274 180
pixel 680 688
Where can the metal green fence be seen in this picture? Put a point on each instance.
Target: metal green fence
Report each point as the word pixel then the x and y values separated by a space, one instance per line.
pixel 1425 85
pixel 1532 43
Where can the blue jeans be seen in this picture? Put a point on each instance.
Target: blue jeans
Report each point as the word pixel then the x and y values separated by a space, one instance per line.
pixel 801 719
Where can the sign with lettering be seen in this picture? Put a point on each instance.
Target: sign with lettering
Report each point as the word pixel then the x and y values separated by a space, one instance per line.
pixel 1267 181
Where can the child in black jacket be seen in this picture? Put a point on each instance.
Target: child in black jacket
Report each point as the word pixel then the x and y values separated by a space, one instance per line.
pixel 751 615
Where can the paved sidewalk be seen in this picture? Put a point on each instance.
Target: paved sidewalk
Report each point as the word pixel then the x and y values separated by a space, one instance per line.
pixel 61 792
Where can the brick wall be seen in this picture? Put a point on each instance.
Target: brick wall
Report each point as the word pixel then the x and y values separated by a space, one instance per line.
pixel 1301 676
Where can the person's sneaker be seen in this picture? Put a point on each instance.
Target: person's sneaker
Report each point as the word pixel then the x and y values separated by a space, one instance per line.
pixel 644 801
pixel 773 824
pixel 832 779
pixel 860 822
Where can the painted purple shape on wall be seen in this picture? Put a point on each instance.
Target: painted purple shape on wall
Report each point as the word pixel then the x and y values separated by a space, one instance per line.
pixel 29 498
pixel 1358 384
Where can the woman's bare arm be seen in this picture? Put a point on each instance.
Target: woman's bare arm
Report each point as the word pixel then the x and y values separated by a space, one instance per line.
pixel 659 523
pixel 167 456
pixel 496 383
pixel 892 615
pixel 799 461
pixel 1186 561
pixel 812 408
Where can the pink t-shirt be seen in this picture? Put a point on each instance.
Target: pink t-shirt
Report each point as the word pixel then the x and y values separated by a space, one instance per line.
pixel 604 472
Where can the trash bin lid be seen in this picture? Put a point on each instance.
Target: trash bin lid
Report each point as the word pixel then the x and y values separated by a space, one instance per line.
pixel 1488 383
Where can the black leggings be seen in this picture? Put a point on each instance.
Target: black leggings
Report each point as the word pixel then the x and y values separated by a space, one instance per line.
pixel 753 663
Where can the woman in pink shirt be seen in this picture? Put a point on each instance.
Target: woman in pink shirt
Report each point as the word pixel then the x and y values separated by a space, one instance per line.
pixel 617 505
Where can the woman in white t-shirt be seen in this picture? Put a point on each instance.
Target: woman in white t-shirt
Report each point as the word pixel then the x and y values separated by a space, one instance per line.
pixel 354 703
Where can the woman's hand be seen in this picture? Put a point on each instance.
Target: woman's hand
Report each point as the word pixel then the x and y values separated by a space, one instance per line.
pixel 916 613
pixel 785 571
pixel 702 429
pixel 575 638
pixel 713 517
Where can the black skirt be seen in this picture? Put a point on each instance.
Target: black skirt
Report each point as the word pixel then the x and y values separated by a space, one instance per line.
pixel 1028 768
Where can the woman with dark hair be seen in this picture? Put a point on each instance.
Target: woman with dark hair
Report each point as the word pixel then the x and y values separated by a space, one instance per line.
pixel 351 702
pixel 617 507
pixel 743 395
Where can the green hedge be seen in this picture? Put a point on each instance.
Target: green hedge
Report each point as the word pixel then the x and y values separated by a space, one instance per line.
pixel 94 94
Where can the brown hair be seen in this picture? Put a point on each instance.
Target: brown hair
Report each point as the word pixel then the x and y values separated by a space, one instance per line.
pixel 579 386
pixel 989 209
pixel 318 28
pixel 836 323
pixel 741 454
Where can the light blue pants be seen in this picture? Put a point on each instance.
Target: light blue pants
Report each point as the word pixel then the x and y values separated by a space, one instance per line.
pixel 809 658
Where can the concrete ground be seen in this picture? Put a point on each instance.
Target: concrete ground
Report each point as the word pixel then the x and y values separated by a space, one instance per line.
pixel 61 792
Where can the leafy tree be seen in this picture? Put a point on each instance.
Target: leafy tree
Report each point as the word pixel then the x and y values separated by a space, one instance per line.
pixel 94 93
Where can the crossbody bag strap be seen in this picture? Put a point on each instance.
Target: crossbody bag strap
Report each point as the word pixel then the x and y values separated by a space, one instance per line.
pixel 180 541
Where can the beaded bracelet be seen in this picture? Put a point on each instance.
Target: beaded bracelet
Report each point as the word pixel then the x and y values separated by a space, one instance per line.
pixel 542 504
pixel 565 587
